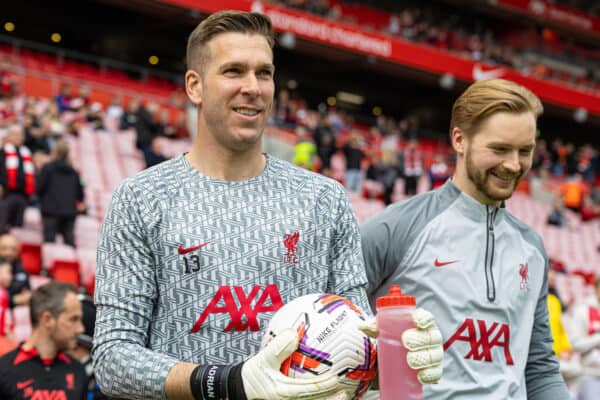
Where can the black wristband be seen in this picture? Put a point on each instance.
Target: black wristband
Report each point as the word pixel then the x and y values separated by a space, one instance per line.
pixel 235 384
pixel 210 382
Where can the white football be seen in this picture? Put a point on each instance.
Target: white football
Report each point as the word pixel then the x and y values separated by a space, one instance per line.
pixel 329 339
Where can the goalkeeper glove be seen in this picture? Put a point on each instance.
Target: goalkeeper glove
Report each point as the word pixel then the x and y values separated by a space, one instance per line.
pixel 424 344
pixel 263 380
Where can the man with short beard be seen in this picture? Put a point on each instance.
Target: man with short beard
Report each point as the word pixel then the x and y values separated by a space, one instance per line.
pixel 224 224
pixel 482 272
pixel 40 368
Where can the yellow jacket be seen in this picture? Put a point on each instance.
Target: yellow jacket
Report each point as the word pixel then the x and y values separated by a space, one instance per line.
pixel 559 334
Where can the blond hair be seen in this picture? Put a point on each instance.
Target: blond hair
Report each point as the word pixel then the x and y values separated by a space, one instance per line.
pixel 197 53
pixel 485 98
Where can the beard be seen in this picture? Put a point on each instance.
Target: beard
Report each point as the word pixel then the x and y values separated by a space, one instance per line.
pixel 484 184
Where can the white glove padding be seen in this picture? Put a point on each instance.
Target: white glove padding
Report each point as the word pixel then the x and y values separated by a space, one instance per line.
pixel 370 395
pixel 264 381
pixel 425 348
pixel 424 344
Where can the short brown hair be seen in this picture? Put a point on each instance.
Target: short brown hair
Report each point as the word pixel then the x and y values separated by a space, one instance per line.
pixel 223 22
pixel 484 98
pixel 49 297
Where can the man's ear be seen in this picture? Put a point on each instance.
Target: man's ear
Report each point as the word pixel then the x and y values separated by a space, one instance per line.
pixel 457 138
pixel 46 319
pixel 193 86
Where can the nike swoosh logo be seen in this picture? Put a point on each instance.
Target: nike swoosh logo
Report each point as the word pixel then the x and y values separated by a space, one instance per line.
pixel 23 385
pixel 439 263
pixel 183 250
pixel 480 75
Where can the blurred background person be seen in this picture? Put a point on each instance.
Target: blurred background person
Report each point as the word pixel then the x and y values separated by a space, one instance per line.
pixel 304 149
pixel 439 172
pixel 19 289
pixel 40 367
pixel 354 156
pixel 6 344
pixel 585 339
pixel 412 167
pixel 61 195
pixel 17 178
pixel 570 367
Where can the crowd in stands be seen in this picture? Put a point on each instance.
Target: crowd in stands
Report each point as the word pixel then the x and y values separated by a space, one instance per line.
pixel 530 50
pixel 36 171
pixel 376 158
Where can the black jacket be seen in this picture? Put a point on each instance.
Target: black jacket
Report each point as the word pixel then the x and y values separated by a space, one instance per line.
pixel 58 187
pixel 23 375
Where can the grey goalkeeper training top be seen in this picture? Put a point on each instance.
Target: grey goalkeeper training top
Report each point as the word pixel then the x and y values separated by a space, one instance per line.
pixel 482 273
pixel 192 268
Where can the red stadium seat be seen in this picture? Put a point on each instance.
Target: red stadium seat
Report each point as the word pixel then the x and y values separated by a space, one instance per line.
pixel 66 271
pixel 31 258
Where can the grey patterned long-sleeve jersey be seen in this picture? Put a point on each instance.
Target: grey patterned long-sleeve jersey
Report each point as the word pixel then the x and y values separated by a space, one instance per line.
pixel 482 273
pixel 191 268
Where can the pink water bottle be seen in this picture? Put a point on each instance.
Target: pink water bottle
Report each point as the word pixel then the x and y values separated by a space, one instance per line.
pixel 397 381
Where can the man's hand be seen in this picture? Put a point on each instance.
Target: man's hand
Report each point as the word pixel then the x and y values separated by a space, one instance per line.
pixel 424 344
pixel 263 380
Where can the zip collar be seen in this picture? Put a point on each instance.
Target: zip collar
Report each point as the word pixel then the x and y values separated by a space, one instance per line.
pixel 471 208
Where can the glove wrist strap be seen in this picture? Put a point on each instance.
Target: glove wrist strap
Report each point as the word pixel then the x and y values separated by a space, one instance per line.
pixel 217 382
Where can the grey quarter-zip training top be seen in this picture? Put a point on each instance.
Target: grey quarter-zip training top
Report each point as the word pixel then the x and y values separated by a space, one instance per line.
pixel 482 273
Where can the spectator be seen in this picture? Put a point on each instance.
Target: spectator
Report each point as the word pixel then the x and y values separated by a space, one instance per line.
pixel 17 179
pixel 129 117
pixel 19 289
pixel 569 364
pixel 585 339
pixel 412 167
pixel 304 150
pixel 64 98
pixel 439 172
pixel 573 191
pixel 589 210
pixel 8 115
pixel 326 149
pixel 557 214
pixel 380 178
pixel 354 155
pixel 39 139
pixel 94 116
pixel 5 280
pixel 283 110
pixel 145 131
pixel 181 130
pixel 40 365
pixel 389 175
pixel 155 154
pixel 61 195
pixel 115 110
pixel 373 187
pixel 6 344
pixel 164 127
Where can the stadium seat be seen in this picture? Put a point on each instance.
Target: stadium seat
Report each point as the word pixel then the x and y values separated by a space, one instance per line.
pixel 66 271
pixel 56 251
pixel 35 281
pixel 31 258
pixel 87 264
pixel 21 323
pixel 27 235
